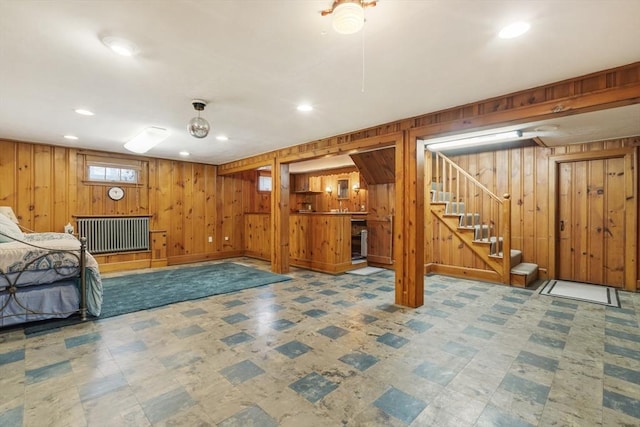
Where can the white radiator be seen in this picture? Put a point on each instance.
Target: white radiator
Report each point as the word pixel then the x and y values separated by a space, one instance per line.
pixel 115 234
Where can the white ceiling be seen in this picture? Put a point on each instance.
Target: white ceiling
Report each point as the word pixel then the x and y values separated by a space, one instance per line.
pixel 256 60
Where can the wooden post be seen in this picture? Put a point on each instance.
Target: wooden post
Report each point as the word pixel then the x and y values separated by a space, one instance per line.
pixel 506 239
pixel 409 227
pixel 279 217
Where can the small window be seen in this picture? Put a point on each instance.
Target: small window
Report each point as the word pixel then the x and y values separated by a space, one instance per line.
pixel 264 182
pixel 112 170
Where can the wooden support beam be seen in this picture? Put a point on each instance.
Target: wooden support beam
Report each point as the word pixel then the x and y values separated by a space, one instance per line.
pixel 279 217
pixel 409 225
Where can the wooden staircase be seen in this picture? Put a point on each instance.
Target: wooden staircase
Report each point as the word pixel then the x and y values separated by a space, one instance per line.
pixel 480 219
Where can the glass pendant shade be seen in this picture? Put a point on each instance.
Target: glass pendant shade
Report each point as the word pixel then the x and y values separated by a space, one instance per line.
pixel 198 127
pixel 348 18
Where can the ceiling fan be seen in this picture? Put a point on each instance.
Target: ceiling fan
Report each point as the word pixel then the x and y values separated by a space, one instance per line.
pixel 348 15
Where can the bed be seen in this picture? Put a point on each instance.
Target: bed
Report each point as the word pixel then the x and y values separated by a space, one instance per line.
pixel 45 276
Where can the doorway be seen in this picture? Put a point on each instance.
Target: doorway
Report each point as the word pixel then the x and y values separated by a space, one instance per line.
pixel 595 229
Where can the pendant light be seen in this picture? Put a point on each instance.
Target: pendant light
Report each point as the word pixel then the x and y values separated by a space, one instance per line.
pixel 198 127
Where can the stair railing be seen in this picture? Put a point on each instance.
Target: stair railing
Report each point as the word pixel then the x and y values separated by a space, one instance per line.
pixel 483 211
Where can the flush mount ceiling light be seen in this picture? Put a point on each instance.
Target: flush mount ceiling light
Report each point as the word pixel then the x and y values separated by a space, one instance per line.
pixel 514 30
pixel 475 141
pixel 198 127
pixel 304 108
pixel 83 112
pixel 71 137
pixel 147 139
pixel 120 46
pixel 348 15
pixel 222 138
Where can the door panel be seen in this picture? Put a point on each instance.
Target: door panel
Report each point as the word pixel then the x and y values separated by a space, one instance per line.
pixel 591 226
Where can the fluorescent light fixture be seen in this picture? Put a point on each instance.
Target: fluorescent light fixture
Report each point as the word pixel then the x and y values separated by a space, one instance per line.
pixel 514 30
pixel 184 153
pixel 84 112
pixel 120 46
pixel 222 138
pixel 304 108
pixel 71 137
pixel 147 139
pixel 474 141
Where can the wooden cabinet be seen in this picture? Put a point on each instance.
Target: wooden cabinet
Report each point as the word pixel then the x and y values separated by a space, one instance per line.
pixel 305 183
pixel 321 242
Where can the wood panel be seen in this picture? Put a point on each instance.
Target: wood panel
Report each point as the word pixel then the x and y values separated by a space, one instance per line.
pixel 46 187
pixel 257 235
pixel 523 172
pixel 377 166
pixel 321 242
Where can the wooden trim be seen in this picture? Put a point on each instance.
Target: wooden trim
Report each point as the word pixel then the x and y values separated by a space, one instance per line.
pixel 630 158
pixel 463 272
pixel 188 259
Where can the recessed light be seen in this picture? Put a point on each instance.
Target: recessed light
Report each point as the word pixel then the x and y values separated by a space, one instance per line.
pixel 120 46
pixel 222 138
pixel 84 112
pixel 184 153
pixel 305 108
pixel 71 137
pixel 514 30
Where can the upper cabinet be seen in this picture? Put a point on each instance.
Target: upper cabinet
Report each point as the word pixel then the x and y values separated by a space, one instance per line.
pixel 307 184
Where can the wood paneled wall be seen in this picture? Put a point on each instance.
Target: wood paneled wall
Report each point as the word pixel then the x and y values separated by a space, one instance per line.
pixel 525 174
pixel 45 186
pixel 324 202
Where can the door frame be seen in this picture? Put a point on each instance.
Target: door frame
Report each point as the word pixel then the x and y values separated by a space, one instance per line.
pixel 631 207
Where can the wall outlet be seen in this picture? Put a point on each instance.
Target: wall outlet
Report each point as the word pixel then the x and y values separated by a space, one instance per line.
pixel 210 239
pixel 226 238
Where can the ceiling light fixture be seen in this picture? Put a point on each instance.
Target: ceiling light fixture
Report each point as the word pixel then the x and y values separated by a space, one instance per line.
pixel 84 112
pixel 475 141
pixel 71 137
pixel 198 127
pixel 184 153
pixel 304 108
pixel 514 30
pixel 120 46
pixel 147 139
pixel 348 15
pixel 222 138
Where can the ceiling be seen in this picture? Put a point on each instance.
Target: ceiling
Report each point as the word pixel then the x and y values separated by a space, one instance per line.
pixel 255 61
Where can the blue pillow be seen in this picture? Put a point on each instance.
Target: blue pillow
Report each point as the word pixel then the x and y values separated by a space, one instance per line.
pixel 11 230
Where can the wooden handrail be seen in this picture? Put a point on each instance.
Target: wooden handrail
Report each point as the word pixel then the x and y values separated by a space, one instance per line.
pixel 485 212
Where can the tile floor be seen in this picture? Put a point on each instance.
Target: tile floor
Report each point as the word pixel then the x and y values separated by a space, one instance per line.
pixel 324 350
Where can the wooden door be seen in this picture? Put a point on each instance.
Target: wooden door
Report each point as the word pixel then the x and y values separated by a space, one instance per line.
pixel 380 239
pixel 592 226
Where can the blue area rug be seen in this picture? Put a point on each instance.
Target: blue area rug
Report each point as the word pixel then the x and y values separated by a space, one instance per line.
pixel 135 292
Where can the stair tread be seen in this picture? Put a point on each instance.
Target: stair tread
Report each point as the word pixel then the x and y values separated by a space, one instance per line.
pixel 524 268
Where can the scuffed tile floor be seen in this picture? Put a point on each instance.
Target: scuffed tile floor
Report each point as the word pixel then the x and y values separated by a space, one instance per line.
pixel 325 350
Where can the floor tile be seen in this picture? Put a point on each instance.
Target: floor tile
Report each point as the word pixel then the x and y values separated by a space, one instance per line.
pixel 293 349
pixel 46 372
pixel 303 299
pixel 542 362
pixel 12 417
pixel 400 405
pixel 621 403
pixel 360 361
pixel 241 372
pixel 492 319
pixel 418 325
pixel 188 331
pixel 281 324
pixel 239 338
pixel 547 341
pixel 193 312
pixel 251 416
pixel 333 332
pixel 527 389
pixel 235 318
pixel 315 313
pixel 392 340
pixel 313 387
pixel 11 356
pixel 165 405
